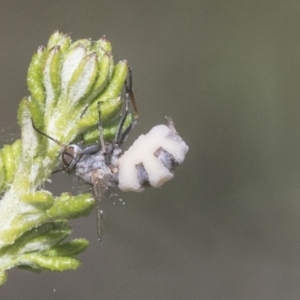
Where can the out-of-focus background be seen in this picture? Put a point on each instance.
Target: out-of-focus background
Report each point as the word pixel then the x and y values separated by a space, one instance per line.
pixel 228 225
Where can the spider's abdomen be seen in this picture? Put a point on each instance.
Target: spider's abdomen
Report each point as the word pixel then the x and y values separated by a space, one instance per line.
pixel 151 160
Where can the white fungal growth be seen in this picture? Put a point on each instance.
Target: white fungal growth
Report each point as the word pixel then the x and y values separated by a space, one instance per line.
pixel 142 151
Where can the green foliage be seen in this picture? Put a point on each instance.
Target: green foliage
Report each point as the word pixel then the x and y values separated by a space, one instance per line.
pixel 66 81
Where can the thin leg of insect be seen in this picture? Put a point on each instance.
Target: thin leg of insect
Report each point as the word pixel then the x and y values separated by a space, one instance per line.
pixel 46 135
pixel 97 189
pixel 68 151
pixel 100 128
pixel 122 122
pixel 121 135
pixel 129 92
pixel 101 177
pixel 99 180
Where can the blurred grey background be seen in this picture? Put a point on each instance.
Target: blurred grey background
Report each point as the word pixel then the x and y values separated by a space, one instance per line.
pixel 227 72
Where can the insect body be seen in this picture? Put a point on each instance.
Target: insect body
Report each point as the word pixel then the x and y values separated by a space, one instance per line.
pixel 150 161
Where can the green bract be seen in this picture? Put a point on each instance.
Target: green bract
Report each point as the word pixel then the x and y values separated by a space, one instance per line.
pixel 66 81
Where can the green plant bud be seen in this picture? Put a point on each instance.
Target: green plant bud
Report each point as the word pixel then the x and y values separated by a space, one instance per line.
pixel 109 110
pixel 54 39
pixel 39 199
pixel 35 110
pixel 51 77
pixel 9 158
pixel 12 240
pixel 116 84
pixel 65 43
pixel 9 164
pixel 85 43
pixel 35 74
pixel 109 131
pixel 71 61
pixel 55 66
pixel 38 235
pixel 103 75
pixel 68 206
pixel 45 241
pixel 49 263
pixel 82 79
pixel 36 239
pixel 58 39
pixel 71 248
pixel 102 45
pixel 46 228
